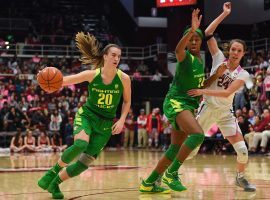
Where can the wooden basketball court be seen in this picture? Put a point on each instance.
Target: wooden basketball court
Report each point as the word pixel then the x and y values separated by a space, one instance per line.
pixel 116 175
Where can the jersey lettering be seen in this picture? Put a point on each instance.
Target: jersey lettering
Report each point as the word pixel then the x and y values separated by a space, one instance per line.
pixel 224 81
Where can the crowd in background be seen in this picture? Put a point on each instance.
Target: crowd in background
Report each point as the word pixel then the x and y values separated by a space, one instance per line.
pixel 24 106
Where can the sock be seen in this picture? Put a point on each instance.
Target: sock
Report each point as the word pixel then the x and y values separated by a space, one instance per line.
pixel 56 168
pixel 57 180
pixel 174 167
pixel 153 177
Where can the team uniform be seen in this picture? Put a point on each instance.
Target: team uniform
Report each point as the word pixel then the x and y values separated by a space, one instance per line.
pixel 189 75
pixel 218 109
pixel 96 116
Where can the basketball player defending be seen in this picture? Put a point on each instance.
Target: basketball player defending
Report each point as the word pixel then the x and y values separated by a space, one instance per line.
pixel 218 97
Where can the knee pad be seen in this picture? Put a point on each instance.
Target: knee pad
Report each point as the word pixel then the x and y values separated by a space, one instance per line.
pixel 86 159
pixel 194 140
pixel 76 168
pixel 172 151
pixel 80 145
pixel 73 151
pixel 242 152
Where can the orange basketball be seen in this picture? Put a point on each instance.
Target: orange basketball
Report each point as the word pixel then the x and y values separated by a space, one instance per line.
pixel 50 79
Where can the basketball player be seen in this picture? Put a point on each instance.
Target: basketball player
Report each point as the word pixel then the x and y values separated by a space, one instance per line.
pixel 93 124
pixel 179 109
pixel 218 97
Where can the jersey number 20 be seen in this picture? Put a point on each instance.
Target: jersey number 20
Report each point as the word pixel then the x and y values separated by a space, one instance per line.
pixel 105 99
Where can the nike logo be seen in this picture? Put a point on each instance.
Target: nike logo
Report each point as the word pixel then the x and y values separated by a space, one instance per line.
pixel 194 70
pixel 95 84
pixel 106 129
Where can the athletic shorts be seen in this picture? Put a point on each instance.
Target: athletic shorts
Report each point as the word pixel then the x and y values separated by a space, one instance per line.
pixel 98 129
pixel 224 119
pixel 173 106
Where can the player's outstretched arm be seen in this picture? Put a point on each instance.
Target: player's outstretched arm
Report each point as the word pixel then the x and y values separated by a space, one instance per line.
pixel 211 41
pixel 236 85
pixel 182 44
pixel 86 75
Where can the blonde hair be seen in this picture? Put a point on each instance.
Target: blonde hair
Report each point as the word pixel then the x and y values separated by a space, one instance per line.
pixel 90 49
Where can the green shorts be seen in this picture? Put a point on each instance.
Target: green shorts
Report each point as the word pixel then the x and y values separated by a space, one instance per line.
pixel 173 106
pixel 98 129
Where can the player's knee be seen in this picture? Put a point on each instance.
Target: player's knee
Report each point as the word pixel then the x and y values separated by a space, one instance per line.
pixel 80 145
pixel 242 152
pixel 172 151
pixel 76 169
pixel 86 159
pixel 194 140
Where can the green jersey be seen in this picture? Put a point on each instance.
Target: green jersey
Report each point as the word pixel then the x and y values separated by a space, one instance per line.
pixel 104 99
pixel 189 75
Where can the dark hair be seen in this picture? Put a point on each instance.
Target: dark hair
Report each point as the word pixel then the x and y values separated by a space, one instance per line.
pixel 90 49
pixel 239 41
pixel 17 137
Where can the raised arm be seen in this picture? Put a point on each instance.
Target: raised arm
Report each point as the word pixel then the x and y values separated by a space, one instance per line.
pixel 86 75
pixel 118 126
pixel 182 44
pixel 212 43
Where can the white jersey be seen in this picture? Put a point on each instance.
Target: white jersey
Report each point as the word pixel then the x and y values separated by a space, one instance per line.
pixel 223 82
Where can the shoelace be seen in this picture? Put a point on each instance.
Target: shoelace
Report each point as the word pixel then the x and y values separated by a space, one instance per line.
pixel 176 176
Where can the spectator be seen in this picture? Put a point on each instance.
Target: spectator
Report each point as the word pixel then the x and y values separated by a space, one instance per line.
pixel 55 122
pixel 251 117
pixel 157 76
pixel 129 129
pixel 153 127
pixel 44 144
pixel 258 132
pixel 30 141
pixel 57 143
pixel 142 135
pixel 16 144
pixel 249 137
pixel 243 124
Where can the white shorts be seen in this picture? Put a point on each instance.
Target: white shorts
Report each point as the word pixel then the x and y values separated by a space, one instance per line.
pixel 224 119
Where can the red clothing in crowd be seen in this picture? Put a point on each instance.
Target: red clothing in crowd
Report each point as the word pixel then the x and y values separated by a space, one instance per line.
pixel 263 125
pixel 141 121
pixel 149 127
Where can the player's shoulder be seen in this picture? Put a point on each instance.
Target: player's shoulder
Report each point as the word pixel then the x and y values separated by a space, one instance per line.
pixel 242 71
pixel 123 75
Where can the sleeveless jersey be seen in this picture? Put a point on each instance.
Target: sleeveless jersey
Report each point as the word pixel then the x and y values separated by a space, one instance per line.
pixel 104 99
pixel 223 82
pixel 189 75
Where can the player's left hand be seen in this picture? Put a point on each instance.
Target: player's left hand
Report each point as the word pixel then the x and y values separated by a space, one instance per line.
pixel 117 127
pixel 195 92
